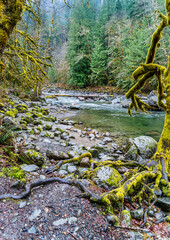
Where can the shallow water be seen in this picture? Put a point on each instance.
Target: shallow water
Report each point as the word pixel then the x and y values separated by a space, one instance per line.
pixel 118 122
pixel 105 116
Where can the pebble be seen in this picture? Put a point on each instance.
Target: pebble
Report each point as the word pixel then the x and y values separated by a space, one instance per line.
pixel 72 220
pixel 42 177
pixel 22 204
pixel 71 169
pixel 35 214
pixel 32 230
pixel 60 222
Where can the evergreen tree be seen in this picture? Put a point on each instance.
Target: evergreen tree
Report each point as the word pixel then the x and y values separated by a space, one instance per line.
pixel 80 43
pixel 98 64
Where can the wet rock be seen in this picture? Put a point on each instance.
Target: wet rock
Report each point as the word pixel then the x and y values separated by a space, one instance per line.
pixel 106 158
pixel 141 147
pixel 126 218
pixel 56 155
pixel 137 214
pixel 107 176
pixel 35 214
pixel 164 203
pixel 29 168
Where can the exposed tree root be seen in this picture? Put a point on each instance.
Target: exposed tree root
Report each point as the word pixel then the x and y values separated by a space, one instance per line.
pixel 80 185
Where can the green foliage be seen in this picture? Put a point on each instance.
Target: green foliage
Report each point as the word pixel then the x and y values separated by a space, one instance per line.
pixel 6 135
pixel 99 64
pixel 80 44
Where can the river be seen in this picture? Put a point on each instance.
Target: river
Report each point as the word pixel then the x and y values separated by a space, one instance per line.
pixel 106 116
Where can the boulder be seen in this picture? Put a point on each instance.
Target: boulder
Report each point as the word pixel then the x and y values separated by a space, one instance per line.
pixel 107 177
pixel 34 157
pixel 139 148
pixel 56 155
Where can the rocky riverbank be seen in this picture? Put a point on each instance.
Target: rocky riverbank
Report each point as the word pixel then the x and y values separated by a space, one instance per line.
pixel 43 138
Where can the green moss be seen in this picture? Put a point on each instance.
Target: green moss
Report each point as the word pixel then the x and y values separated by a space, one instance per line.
pixel 13 172
pixel 22 108
pixel 12 112
pixel 47 127
pixel 35 157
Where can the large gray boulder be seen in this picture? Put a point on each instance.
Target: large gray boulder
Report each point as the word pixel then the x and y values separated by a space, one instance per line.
pixel 140 148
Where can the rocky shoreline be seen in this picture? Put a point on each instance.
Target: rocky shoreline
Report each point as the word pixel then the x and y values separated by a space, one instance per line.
pixel 45 136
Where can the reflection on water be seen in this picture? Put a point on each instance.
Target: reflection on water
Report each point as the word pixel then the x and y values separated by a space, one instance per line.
pixel 118 122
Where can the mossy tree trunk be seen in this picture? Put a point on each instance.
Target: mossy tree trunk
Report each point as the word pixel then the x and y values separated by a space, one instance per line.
pixel 10 14
pixel 142 74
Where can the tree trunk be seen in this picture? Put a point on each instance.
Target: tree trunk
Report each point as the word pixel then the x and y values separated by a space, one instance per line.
pixel 10 14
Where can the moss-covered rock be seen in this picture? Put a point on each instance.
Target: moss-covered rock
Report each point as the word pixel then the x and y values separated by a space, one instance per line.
pixel 35 157
pixel 2 106
pixel 12 112
pixel 22 108
pixel 140 147
pixel 107 176
pixel 47 127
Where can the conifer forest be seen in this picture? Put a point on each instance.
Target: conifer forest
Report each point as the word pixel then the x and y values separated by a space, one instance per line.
pixel 84 119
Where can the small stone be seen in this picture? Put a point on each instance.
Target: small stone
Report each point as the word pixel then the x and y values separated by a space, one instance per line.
pixel 85 162
pixel 151 213
pixel 22 204
pixel 35 214
pixel 158 215
pixel 126 221
pixel 32 230
pixel 29 168
pixel 62 172
pixel 72 220
pixel 60 222
pixel 107 140
pixel 137 214
pixel 42 177
pixel 112 219
pixel 71 169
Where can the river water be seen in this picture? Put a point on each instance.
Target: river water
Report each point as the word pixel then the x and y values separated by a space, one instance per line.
pixel 106 116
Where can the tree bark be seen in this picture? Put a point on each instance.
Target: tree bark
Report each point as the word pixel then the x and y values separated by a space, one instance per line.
pixel 10 14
